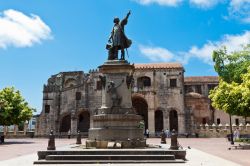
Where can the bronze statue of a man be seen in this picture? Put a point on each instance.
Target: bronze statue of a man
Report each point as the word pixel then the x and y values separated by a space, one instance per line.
pixel 118 40
pixel 112 89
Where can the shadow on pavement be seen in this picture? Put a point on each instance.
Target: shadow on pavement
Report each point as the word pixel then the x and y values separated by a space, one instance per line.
pixel 15 142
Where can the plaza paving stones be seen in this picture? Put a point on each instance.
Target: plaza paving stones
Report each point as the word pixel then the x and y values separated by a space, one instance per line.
pixel 208 152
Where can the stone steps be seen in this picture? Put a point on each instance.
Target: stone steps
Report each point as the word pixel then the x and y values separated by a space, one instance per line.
pixel 105 161
pixel 43 154
pixel 110 157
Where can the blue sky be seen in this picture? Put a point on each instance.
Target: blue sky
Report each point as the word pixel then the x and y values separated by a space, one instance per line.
pixel 39 38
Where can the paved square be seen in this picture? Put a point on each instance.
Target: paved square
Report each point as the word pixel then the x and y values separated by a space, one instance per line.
pixel 204 151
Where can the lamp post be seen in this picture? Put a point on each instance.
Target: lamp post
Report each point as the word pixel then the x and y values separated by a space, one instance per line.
pixel 231 130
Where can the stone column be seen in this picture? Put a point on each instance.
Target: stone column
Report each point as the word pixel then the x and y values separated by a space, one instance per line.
pixel 234 126
pixel 207 127
pixel 151 122
pixel 166 120
pixel 91 121
pixel 220 126
pixel 15 130
pixel 214 127
pixel 201 127
pixel 5 130
pixel 25 128
pixel 227 128
pixel 48 126
pixel 241 127
pixel 181 123
pixel 206 91
pixel 193 125
pixel 73 123
pixel 248 128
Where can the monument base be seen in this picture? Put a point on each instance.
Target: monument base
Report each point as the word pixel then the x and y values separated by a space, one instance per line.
pixel 130 144
pixel 117 131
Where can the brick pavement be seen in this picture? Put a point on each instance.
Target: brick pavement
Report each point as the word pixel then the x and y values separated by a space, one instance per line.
pixel 18 149
pixel 215 146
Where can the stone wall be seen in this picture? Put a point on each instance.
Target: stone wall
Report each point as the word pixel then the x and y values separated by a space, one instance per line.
pixel 221 130
pixel 160 95
pixel 14 132
pixel 166 99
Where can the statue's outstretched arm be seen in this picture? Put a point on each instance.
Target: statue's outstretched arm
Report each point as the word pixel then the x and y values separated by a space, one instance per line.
pixel 125 20
pixel 129 12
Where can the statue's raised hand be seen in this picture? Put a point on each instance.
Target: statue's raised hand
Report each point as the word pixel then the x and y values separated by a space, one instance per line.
pixel 129 12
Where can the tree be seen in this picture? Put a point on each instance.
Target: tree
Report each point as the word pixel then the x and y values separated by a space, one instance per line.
pixel 232 94
pixel 245 88
pixel 230 66
pixel 231 98
pixel 13 108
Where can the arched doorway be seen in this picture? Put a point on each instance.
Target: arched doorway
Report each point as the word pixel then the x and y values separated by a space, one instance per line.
pixel 173 120
pixel 141 107
pixel 83 121
pixel 65 124
pixel 158 121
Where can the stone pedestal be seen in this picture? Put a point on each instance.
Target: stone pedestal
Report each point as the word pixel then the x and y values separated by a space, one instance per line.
pixel 116 120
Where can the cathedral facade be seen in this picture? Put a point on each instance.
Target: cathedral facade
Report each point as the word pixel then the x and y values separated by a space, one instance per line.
pixel 160 94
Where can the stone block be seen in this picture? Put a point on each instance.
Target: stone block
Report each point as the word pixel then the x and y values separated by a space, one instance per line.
pixel 101 144
pixel 90 144
pixel 111 145
pixel 118 145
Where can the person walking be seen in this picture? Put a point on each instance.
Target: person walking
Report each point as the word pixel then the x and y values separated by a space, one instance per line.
pixel 69 134
pixel 167 133
pixel 236 134
pixel 147 133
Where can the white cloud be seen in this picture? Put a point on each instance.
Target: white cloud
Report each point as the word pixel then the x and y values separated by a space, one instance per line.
pixel 238 2
pixel 20 30
pixel 156 53
pixel 159 2
pixel 232 43
pixel 159 54
pixel 240 9
pixel 205 3
pixel 204 53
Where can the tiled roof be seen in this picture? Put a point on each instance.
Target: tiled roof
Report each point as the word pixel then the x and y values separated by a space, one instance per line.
pixel 158 66
pixel 212 79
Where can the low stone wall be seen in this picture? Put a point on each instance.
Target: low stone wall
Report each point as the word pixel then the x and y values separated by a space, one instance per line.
pixel 15 133
pixel 19 134
pixel 216 131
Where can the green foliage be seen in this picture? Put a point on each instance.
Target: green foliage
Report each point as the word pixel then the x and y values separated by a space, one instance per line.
pixel 230 66
pixel 233 93
pixel 244 140
pixel 13 108
pixel 233 98
pixel 245 86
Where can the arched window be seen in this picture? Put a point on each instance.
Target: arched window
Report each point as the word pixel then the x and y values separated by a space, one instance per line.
pixel 143 82
pixel 78 95
pixel 70 83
